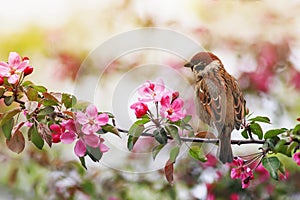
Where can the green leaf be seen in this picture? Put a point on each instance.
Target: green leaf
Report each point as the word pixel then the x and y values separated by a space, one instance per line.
pixel 197 153
pixel 272 164
pixel 280 147
pixel 32 94
pixel 274 132
pixel 68 100
pixel 131 141
pixel 256 129
pixel 94 153
pixel 245 134
pixel 27 83
pixel 296 130
pixel 111 129
pixel 7 128
pixel 187 119
pixel 136 130
pixel 39 88
pixel 174 153
pixel 46 111
pixel 291 148
pixel 9 100
pixel 35 137
pixel 160 135
pixel 260 119
pixel 8 115
pixel 156 150
pixel 173 131
pixel 82 161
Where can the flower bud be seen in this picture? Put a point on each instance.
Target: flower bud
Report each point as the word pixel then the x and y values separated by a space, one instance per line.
pixel 1 80
pixel 28 70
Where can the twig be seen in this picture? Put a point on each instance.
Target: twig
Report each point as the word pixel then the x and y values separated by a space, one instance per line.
pixel 203 140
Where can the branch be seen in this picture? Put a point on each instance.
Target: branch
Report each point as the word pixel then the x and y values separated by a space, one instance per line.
pixel 203 140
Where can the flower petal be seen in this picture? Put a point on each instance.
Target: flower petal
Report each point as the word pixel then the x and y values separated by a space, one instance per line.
pixel 68 137
pixel 159 86
pixel 103 148
pixel 91 111
pixel 81 118
pixel 22 66
pixel 165 101
pixel 13 79
pixel 91 140
pixel 14 59
pixel 102 119
pixel 55 128
pixel 177 104
pixel 80 148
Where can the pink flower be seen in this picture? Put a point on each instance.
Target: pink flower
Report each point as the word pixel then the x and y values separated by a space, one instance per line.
pixel 234 196
pixel 140 109
pixel 296 158
pixel 151 91
pixel 172 109
pixel 13 68
pixel 90 120
pixel 71 133
pixel 241 172
pixel 56 132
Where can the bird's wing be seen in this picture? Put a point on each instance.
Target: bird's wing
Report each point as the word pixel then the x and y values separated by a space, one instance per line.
pixel 239 104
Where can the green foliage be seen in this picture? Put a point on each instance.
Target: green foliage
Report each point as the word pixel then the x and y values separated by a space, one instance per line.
pixel 35 137
pixel 273 165
pixel 160 135
pixel 274 132
pixel 156 150
pixel 7 128
pixel 173 131
pixel 257 130
pixel 94 153
pixel 196 152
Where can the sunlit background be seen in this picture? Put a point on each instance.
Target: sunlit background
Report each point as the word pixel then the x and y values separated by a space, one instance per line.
pixel 257 41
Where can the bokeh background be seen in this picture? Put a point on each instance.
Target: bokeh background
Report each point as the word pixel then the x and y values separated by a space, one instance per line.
pixel 258 42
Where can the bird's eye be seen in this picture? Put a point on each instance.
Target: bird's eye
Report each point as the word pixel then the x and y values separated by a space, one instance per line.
pixel 199 67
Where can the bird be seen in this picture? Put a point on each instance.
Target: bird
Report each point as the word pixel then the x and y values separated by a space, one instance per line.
pixel 219 101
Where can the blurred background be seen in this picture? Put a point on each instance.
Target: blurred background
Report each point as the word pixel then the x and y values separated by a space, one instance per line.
pixel 258 42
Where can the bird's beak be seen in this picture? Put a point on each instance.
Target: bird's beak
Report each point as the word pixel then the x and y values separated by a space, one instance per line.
pixel 189 65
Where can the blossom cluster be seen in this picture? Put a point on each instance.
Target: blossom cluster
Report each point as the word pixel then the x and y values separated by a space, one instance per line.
pixel 242 172
pixel 170 104
pixel 83 129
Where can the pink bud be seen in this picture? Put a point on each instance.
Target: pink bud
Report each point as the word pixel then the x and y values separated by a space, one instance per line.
pixel 28 70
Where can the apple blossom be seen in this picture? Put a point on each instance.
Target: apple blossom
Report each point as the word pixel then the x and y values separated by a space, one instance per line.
pixel 242 172
pixel 152 91
pixel 173 110
pixel 140 109
pixel 296 157
pixel 13 68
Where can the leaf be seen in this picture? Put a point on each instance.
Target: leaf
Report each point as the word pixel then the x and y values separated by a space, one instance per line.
pixel 9 100
pixel 32 94
pixel 2 90
pixel 82 161
pixel 16 143
pixel 46 111
pixel 27 83
pixel 45 133
pixel 39 88
pixel 50 97
pixel 160 135
pixel 8 115
pixel 272 164
pixel 94 153
pixel 296 130
pixel 136 130
pixel 196 153
pixel 169 170
pixel 173 131
pixel 35 137
pixel 280 147
pixel 260 119
pixel 187 119
pixel 31 106
pixel 256 129
pixel 291 148
pixel 245 134
pixel 68 100
pixel 274 132
pixel 111 129
pixel 174 153
pixel 205 134
pixel 7 128
pixel 131 141
pixel 156 150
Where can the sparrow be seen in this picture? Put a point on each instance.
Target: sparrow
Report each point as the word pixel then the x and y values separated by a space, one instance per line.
pixel 219 100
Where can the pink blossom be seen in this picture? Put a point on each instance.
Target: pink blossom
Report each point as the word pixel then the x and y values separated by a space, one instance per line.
pixel 140 109
pixel 234 196
pixel 242 172
pixel 56 132
pixel 90 120
pixel 71 133
pixel 151 91
pixel 296 158
pixel 13 68
pixel 263 173
pixel 172 109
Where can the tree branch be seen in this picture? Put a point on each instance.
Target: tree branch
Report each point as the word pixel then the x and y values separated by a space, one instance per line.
pixel 203 140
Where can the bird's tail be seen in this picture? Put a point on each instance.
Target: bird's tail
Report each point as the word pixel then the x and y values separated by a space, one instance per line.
pixel 225 151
